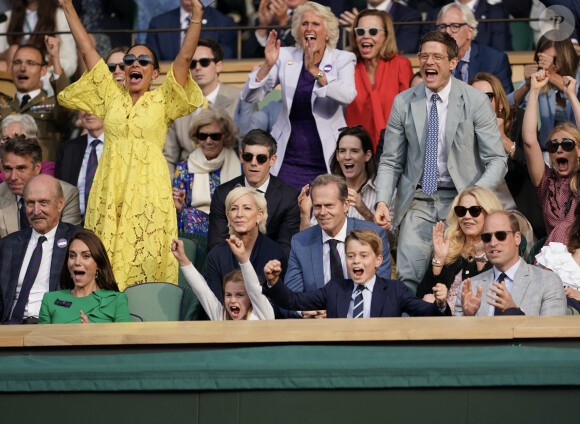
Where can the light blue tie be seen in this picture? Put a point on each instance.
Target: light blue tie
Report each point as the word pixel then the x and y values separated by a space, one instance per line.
pixel 429 185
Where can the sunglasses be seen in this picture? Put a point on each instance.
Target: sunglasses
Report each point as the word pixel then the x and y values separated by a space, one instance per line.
pixel 474 211
pixel 566 143
pixel 489 94
pixel 143 59
pixel 261 158
pixel 113 66
pixel 214 136
pixel 204 63
pixel 499 235
pixel 372 31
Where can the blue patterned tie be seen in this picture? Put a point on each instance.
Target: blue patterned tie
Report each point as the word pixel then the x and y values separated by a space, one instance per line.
pixel 358 302
pixel 24 224
pixel 91 170
pixel 335 262
pixel 28 282
pixel 429 185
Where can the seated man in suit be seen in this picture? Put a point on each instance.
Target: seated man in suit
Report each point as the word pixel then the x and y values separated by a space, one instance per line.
pixel 458 21
pixel 77 159
pixel 167 44
pixel 205 70
pixel 365 294
pixel 31 260
pixel 20 158
pixel 512 287
pixel 258 155
pixel 317 254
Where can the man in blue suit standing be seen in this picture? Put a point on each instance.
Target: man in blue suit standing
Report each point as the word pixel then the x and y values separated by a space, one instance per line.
pixel 317 254
pixel 167 44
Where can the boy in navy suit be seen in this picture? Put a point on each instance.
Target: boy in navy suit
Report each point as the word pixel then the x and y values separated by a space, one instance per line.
pixel 365 294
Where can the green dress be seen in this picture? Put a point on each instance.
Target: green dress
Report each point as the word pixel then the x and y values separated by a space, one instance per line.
pixel 61 307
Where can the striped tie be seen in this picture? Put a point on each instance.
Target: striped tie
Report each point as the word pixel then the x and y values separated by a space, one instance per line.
pixel 335 262
pixel 91 169
pixel 28 282
pixel 429 185
pixel 358 302
pixel 24 224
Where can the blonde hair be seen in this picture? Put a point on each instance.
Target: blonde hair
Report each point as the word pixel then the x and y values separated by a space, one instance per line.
pixel 235 276
pixel 259 201
pixel 207 117
pixel 575 133
pixel 330 23
pixel 487 200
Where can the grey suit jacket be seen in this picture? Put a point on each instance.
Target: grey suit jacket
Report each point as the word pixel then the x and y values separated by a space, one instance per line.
pixel 71 212
pixel 535 291
pixel 474 145
pixel 178 145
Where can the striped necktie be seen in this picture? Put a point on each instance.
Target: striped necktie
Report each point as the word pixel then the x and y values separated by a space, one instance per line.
pixel 335 262
pixel 429 185
pixel 28 282
pixel 358 302
pixel 24 224
pixel 91 170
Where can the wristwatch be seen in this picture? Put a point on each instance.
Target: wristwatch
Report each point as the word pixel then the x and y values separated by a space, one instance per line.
pixel 319 75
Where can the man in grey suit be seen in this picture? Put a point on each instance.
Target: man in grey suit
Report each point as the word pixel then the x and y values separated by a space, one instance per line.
pixel 21 160
pixel 442 137
pixel 512 286
pixel 205 69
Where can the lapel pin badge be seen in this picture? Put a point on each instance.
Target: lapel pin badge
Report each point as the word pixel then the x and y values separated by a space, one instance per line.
pixel 61 243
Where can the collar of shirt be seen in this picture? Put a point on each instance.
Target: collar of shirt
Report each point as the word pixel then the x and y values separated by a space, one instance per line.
pixel 32 94
pixel 471 4
pixel 263 188
pixel 443 94
pixel 466 56
pixel 510 273
pixel 369 285
pixel 211 97
pixel 384 6
pixel 183 16
pixel 90 138
pixel 341 236
pixel 49 236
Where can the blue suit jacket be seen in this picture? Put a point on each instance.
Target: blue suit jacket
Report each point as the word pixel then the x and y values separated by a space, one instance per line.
pixel 488 59
pixel 390 299
pixel 407 35
pixel 167 44
pixel 12 251
pixel 305 268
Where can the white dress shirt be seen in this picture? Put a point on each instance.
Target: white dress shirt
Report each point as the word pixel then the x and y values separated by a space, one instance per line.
pixel 83 172
pixel 384 6
pixel 263 188
pixel 340 237
pixel 443 176
pixel 367 298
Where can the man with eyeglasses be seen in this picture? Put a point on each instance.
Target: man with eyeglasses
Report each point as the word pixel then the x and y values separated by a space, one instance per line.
pixel 205 69
pixel 511 287
pixel 442 137
pixel 258 155
pixel 458 21
pixel 28 66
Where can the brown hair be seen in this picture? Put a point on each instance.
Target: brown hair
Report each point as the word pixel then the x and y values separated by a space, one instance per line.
pixel 235 275
pixel 506 112
pixel 46 22
pixel 366 236
pixel 325 179
pixel 389 48
pixel 441 37
pixel 566 56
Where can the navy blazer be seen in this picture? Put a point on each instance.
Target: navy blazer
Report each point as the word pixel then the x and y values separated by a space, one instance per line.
pixel 487 59
pixel 283 212
pixel 407 35
pixel 305 267
pixel 496 35
pixel 390 299
pixel 12 251
pixel 69 159
pixel 167 44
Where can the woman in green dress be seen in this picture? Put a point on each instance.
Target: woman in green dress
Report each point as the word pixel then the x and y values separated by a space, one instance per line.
pixel 90 291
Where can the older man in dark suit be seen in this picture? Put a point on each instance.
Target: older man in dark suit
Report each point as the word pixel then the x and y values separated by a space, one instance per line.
pixel 31 260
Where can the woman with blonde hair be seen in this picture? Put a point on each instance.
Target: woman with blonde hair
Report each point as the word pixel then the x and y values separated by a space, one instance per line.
pixel 211 163
pixel 458 252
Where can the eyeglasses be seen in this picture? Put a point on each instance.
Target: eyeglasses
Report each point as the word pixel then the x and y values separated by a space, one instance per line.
pixel 474 211
pixel 372 31
pixel 566 143
pixel 453 27
pixel 143 59
pixel 437 58
pixel 113 66
pixel 204 63
pixel 18 62
pixel 261 158
pixel 354 127
pixel 214 136
pixel 499 235
pixel 489 94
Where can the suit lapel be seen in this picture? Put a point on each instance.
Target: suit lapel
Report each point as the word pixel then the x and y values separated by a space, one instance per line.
pixel 10 211
pixel 32 102
pixel 474 64
pixel 343 297
pixel 291 74
pixel 272 198
pixel 58 253
pixel 379 297
pixel 419 110
pixel 521 282
pixel 487 280
pixel 20 246
pixel 317 263
pixel 453 114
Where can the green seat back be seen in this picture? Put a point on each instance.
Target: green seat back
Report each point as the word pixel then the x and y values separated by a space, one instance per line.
pixel 155 301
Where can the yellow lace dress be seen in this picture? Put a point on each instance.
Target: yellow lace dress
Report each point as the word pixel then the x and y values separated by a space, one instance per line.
pixel 130 205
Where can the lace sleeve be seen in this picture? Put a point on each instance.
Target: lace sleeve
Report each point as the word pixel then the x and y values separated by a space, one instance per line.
pixel 180 101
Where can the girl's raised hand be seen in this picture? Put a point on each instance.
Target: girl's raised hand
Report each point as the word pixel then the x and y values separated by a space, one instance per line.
pixel 179 252
pixel 238 249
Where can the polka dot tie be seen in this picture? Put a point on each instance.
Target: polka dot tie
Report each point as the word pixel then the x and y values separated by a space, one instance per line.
pixel 429 185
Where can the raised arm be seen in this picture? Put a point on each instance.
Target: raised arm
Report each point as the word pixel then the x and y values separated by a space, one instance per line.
pixel 532 149
pixel 570 85
pixel 185 55
pixel 84 42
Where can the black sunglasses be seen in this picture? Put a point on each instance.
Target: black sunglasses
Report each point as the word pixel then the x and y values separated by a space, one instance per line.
pixel 566 143
pixel 489 94
pixel 372 31
pixel 499 235
pixel 204 63
pixel 214 136
pixel 143 59
pixel 113 66
pixel 474 211
pixel 261 158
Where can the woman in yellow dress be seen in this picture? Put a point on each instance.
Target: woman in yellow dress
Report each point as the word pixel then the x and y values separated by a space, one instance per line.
pixel 130 205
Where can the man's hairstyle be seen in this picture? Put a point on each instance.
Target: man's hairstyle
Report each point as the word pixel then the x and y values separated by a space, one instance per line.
pixel 27 123
pixel 258 137
pixel 366 236
pixel 216 48
pixel 30 46
pixel 326 179
pixel 514 223
pixel 466 14
pixel 22 146
pixel 57 187
pixel 441 37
